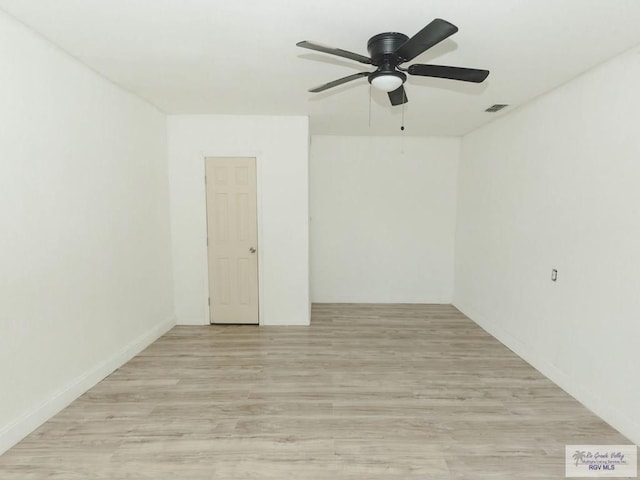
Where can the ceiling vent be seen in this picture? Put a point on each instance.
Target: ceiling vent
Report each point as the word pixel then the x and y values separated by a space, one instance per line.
pixel 496 108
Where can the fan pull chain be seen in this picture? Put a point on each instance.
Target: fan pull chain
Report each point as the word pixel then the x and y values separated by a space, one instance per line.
pixel 369 106
pixel 402 126
pixel 403 104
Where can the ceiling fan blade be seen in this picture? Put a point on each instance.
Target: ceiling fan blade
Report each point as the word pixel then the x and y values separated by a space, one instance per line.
pixel 340 81
pixel 452 73
pixel 334 51
pixel 426 38
pixel 398 96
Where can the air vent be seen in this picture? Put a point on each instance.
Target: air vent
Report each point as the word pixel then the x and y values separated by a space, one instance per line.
pixel 496 108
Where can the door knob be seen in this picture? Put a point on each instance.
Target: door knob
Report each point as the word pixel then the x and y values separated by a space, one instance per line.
pixel 252 250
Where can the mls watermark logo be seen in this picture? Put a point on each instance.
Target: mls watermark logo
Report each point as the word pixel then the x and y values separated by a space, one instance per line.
pixel 607 461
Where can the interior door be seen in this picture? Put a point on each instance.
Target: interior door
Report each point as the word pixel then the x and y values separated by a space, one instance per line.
pixel 232 239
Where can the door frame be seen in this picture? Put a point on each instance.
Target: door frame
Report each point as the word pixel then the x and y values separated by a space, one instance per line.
pixel 258 157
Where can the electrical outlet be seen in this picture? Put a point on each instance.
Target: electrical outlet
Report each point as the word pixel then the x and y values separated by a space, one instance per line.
pixel 554 275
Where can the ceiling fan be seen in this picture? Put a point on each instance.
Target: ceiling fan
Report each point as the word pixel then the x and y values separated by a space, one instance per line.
pixel 389 50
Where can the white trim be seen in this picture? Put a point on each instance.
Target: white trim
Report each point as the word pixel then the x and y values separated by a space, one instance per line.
pixel 193 321
pixel 15 431
pixel 259 210
pixel 259 187
pixel 597 405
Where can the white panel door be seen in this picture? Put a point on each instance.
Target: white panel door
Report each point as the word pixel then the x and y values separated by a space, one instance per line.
pixel 232 239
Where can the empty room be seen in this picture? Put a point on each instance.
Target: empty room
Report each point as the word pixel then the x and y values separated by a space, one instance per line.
pixel 344 240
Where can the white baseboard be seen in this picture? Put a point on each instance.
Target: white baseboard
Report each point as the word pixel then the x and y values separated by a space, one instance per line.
pixel 27 423
pixel 599 406
pixel 192 321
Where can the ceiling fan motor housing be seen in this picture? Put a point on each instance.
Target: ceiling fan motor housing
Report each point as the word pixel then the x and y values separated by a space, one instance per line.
pixel 381 48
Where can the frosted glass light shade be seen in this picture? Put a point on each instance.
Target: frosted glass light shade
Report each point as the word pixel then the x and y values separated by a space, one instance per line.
pixel 387 83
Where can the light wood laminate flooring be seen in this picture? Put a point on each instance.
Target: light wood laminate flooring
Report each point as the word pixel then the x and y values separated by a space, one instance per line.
pixel 366 392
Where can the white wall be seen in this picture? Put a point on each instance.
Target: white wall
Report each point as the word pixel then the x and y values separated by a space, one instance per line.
pixel 280 145
pixel 556 185
pixel 383 219
pixel 85 273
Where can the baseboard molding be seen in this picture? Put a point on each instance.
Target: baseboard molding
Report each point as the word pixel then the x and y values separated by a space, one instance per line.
pixel 13 433
pixel 599 406
pixel 192 321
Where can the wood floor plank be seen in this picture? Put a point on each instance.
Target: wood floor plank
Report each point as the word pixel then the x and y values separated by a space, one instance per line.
pixel 366 392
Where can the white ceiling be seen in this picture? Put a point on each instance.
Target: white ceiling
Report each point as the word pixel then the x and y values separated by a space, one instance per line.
pixel 239 57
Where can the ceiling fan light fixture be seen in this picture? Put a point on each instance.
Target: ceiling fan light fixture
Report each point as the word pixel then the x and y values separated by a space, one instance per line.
pixel 387 81
pixel 388 50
